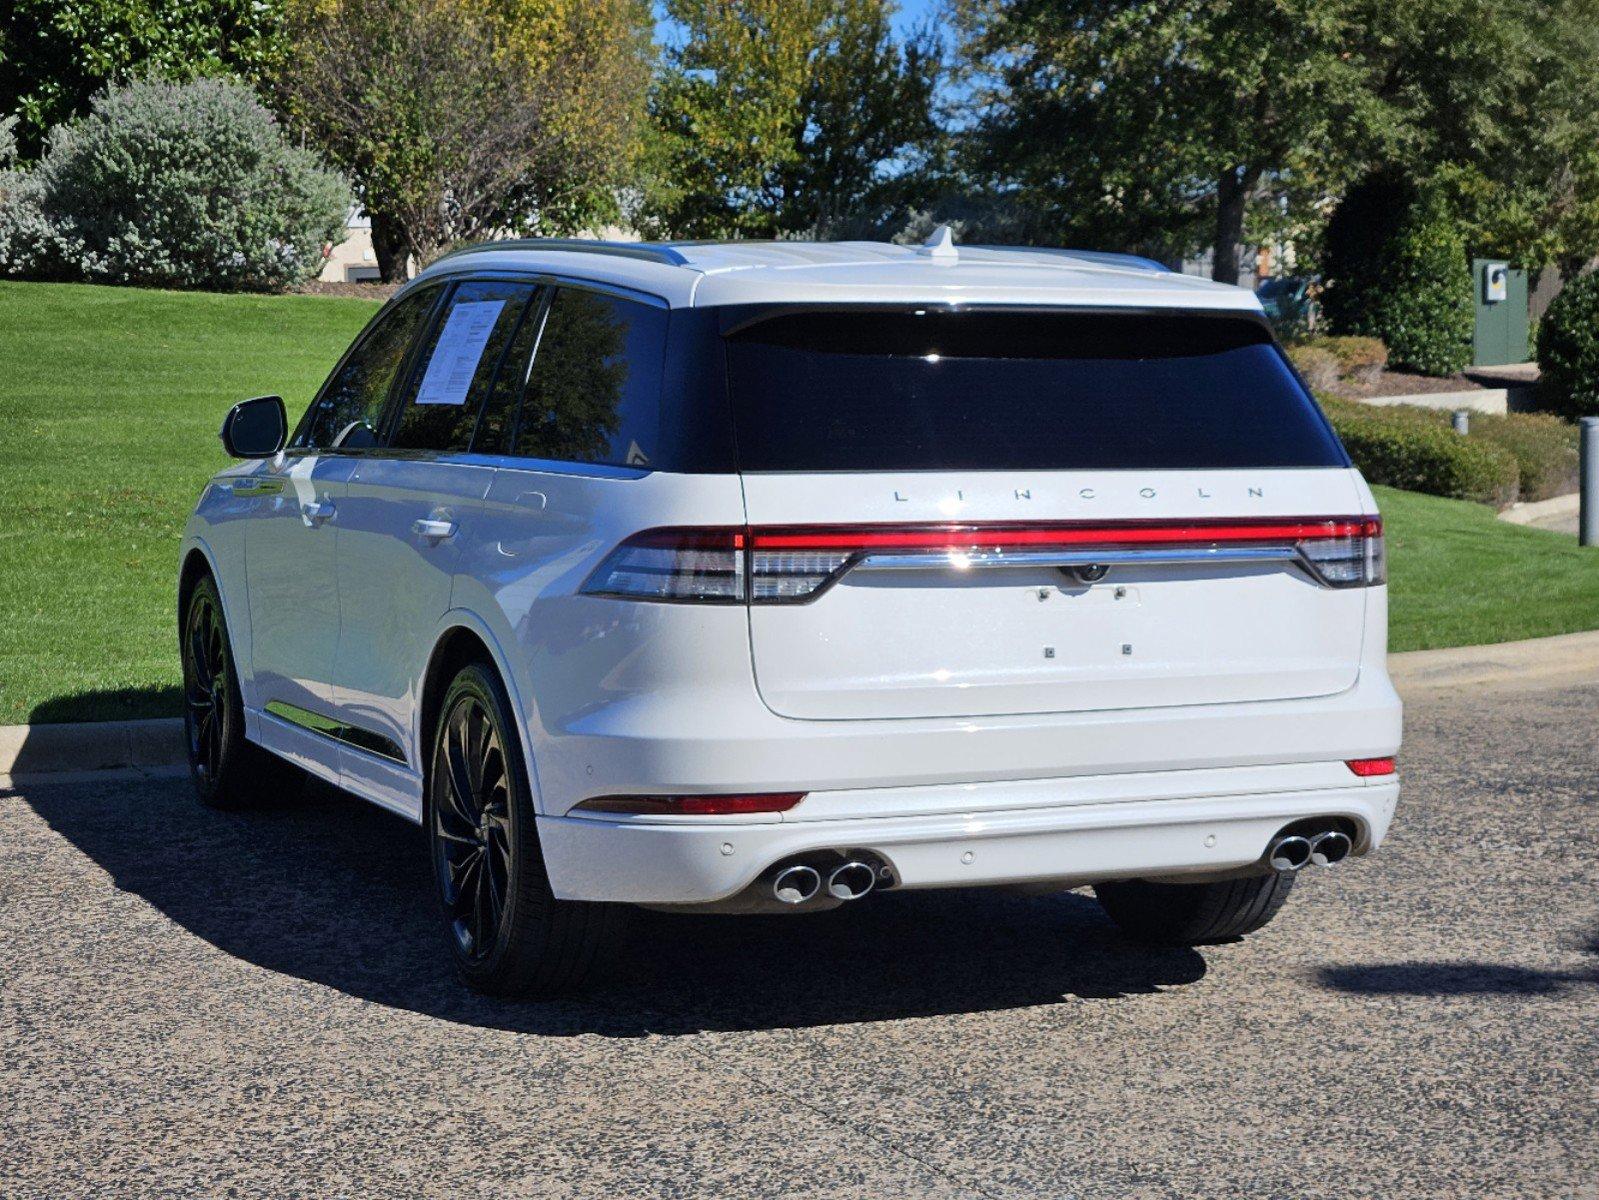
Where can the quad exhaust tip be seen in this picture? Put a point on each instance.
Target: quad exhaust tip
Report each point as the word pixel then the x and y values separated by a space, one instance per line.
pixel 851 881
pixel 1293 851
pixel 796 884
pixel 1330 847
pixel 1289 853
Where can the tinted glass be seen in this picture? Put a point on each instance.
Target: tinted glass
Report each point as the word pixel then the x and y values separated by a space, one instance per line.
pixel 936 390
pixel 594 393
pixel 454 373
pixel 498 420
pixel 353 399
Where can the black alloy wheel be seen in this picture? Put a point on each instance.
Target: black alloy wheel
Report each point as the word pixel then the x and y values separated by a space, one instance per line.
pixel 206 686
pixel 508 933
pixel 472 826
pixel 229 771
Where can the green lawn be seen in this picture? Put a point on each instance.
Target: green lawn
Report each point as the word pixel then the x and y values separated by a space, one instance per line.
pixel 1460 577
pixel 110 400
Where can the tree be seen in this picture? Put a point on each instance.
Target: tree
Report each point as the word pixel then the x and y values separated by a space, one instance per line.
pixel 1495 98
pixel 1396 268
pixel 777 117
pixel 1164 125
pixel 57 54
pixel 464 119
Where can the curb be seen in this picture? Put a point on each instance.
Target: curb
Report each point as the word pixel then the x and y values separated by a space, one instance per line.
pixel 154 748
pixel 1569 657
pixel 35 751
pixel 1493 401
pixel 1542 510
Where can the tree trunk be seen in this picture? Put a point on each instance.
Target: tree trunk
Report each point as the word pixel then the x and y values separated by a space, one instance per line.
pixel 1232 190
pixel 391 248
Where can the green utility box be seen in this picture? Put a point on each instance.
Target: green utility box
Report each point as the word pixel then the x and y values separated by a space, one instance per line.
pixel 1501 295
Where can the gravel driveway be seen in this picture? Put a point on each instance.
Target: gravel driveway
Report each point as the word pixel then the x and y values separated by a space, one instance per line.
pixel 195 1004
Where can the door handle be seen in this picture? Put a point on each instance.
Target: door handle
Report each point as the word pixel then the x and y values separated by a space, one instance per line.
pixel 317 513
pixel 432 529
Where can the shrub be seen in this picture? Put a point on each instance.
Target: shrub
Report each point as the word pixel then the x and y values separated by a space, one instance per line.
pixel 1568 350
pixel 1397 270
pixel 1544 447
pixel 180 185
pixel 1318 365
pixel 1360 359
pixel 1410 448
pixel 1326 361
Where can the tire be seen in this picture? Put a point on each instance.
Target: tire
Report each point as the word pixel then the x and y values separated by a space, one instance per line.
pixel 1193 914
pixel 507 932
pixel 228 770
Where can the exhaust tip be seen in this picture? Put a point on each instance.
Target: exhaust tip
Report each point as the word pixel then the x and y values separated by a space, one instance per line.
pixel 796 884
pixel 1330 847
pixel 851 881
pixel 1289 853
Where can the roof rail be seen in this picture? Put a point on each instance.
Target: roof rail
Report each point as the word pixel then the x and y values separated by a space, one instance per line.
pixel 644 251
pixel 1103 257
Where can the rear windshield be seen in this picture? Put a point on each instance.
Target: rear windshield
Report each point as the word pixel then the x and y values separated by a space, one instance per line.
pixel 925 390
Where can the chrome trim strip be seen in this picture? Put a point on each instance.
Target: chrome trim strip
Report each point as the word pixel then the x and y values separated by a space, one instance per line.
pixel 1086 557
pixel 254 485
pixel 338 731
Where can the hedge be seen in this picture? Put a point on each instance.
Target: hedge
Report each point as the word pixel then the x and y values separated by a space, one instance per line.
pixel 1544 447
pixel 1568 350
pixel 1410 448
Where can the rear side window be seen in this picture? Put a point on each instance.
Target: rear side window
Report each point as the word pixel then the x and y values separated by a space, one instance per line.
pixel 593 394
pixel 929 389
pixel 349 409
pixel 454 374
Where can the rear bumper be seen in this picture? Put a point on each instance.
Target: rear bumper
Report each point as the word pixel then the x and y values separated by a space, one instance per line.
pixel 1069 831
pixel 652 741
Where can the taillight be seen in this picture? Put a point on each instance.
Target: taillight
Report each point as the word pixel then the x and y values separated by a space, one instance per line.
pixel 788 564
pixel 674 564
pixel 1351 555
pixel 1367 767
pixel 696 806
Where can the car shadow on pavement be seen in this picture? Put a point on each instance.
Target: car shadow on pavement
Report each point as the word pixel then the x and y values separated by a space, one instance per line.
pixel 331 890
pixel 1456 978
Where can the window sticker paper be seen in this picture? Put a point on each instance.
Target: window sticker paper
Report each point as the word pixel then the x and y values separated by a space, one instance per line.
pixel 458 352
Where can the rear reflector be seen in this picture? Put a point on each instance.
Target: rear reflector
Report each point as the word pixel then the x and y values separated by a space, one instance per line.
pixel 695 806
pixel 768 564
pixel 1366 767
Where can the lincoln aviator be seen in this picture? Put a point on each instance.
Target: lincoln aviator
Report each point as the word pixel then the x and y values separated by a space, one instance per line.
pixel 774 577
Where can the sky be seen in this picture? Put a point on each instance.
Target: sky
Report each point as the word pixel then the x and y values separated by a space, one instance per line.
pixel 911 14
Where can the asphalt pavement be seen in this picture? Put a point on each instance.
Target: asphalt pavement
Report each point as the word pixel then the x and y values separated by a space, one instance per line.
pixel 258 1004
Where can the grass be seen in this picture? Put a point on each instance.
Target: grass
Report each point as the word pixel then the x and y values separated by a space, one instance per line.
pixel 110 400
pixel 1458 576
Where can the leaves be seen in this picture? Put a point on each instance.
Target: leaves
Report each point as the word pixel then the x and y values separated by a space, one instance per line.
pixel 776 117
pixel 461 119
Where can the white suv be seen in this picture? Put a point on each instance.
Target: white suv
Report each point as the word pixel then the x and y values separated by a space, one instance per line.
pixel 760 577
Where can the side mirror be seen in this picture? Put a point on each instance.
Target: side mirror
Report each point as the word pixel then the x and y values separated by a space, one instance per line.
pixel 256 428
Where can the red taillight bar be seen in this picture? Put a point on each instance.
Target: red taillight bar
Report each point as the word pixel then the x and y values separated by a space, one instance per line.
pixel 695 806
pixel 1367 767
pixel 1055 534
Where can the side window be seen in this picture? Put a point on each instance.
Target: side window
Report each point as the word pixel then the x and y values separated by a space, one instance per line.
pixel 498 422
pixel 594 393
pixel 455 372
pixel 352 401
